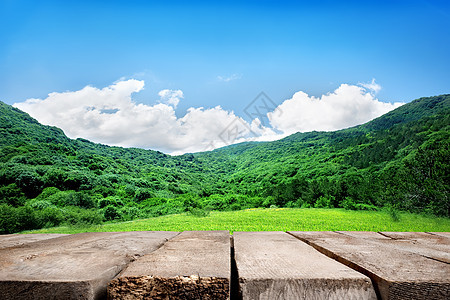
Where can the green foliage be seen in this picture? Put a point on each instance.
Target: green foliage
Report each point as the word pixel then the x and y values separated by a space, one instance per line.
pixel 398 160
pixel 12 194
pixel 324 202
pixel 142 194
pixel 111 213
pixel 393 213
pixel 72 198
pixel 39 215
pixel 14 219
pixel 349 203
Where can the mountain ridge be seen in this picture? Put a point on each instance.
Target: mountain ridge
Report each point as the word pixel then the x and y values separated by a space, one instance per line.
pixel 47 178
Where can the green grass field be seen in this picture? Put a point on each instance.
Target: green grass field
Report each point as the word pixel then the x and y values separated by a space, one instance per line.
pixel 274 219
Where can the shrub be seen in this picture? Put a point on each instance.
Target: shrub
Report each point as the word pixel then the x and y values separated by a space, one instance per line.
pixel 349 203
pixel 12 194
pixel 235 206
pixel 72 198
pixel 130 213
pixel 78 216
pixel 142 194
pixel 111 213
pixel 324 202
pixel 40 204
pixel 49 216
pixel 215 202
pixel 269 202
pixel 15 219
pixel 47 192
pixel 363 206
pixel 30 183
pixel 114 201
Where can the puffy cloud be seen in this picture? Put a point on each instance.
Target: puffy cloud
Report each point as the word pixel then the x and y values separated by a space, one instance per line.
pixel 372 86
pixel 110 116
pixel 347 106
pixel 171 97
pixel 229 78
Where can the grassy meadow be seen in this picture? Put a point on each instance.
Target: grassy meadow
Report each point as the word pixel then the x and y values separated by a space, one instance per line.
pixel 273 219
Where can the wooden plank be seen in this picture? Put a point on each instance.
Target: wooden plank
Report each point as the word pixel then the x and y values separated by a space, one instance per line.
pixel 364 234
pixel 275 265
pixel 434 247
pixel 13 240
pixel 77 266
pixel 409 235
pixel 193 265
pixel 443 234
pixel 431 246
pixel 320 234
pixel 398 273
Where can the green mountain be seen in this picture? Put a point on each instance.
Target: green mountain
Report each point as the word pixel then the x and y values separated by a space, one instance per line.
pixel 399 160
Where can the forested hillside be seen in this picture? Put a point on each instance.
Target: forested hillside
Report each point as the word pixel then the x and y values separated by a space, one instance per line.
pixel 400 161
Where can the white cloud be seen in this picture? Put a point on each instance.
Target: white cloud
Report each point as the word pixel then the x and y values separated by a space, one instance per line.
pixel 229 78
pixel 347 106
pixel 372 86
pixel 171 97
pixel 110 116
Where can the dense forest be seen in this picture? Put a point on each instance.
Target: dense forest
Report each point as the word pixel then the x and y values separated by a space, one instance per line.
pixel 399 161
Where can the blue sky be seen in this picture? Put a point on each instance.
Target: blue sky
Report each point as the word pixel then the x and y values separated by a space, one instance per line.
pixel 224 53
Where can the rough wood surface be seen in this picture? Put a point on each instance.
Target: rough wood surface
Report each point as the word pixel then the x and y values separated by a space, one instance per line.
pixel 364 234
pixel 13 240
pixel 425 244
pixel 416 236
pixel 400 271
pixel 193 265
pixel 75 266
pixel 196 265
pixel 443 234
pixel 275 265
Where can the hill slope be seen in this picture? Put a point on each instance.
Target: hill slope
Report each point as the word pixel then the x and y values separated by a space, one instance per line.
pixel 398 160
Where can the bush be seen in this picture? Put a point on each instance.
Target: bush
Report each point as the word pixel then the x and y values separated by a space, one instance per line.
pixel 12 195
pixel 40 204
pixel 72 198
pixel 30 183
pixel 305 205
pixel 130 213
pixel 47 192
pixel 363 206
pixel 142 194
pixel 349 203
pixel 215 202
pixel 111 213
pixel 324 202
pixel 114 201
pixel 15 219
pixel 49 216
pixel 269 201
pixel 79 216
pixel 291 204
pixel 235 206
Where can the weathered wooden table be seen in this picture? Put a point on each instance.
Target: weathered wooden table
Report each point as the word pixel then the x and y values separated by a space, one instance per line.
pixel 217 265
